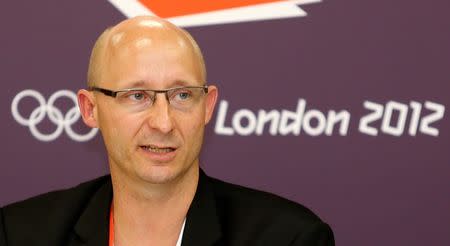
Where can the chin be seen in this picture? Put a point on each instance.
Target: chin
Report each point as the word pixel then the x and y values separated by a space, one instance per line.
pixel 161 175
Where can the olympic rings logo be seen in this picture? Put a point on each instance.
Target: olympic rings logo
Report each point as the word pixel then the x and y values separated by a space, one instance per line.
pixel 62 122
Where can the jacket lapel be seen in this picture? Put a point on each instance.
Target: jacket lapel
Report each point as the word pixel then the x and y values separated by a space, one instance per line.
pixel 202 221
pixel 92 228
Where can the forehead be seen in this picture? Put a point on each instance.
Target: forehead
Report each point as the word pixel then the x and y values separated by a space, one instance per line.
pixel 149 51
pixel 145 33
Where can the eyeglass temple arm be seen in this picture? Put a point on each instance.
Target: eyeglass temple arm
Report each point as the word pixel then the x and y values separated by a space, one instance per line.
pixel 104 91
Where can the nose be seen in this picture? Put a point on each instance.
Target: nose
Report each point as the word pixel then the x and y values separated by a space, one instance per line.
pixel 160 117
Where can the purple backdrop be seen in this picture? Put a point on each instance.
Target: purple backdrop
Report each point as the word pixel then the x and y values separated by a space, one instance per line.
pixel 383 179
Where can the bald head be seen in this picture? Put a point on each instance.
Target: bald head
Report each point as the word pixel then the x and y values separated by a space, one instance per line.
pixel 134 35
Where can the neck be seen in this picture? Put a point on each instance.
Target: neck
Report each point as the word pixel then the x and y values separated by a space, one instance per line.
pixel 143 210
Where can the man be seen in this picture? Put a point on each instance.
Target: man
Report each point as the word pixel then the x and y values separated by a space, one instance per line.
pixel 147 95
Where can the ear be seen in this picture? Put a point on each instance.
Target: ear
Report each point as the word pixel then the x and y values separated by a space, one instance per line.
pixel 88 109
pixel 211 99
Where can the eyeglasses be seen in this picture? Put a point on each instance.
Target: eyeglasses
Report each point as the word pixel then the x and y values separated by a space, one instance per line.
pixel 181 98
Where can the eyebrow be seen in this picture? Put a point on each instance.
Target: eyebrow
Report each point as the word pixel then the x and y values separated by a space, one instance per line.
pixel 141 84
pixel 135 84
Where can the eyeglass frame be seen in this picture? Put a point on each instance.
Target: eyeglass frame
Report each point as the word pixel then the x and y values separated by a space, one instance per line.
pixel 112 93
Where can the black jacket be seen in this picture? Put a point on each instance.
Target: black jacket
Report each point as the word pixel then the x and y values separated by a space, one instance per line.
pixel 220 214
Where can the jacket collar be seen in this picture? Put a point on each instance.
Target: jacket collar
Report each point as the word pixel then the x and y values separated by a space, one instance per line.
pixel 202 222
pixel 92 227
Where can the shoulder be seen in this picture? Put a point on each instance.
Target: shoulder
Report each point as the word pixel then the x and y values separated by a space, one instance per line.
pixel 56 200
pixel 249 201
pixel 49 211
pixel 266 217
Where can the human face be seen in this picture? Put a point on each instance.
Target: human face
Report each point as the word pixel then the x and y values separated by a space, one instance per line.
pixel 160 144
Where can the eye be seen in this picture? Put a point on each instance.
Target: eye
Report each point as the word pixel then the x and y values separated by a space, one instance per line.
pixel 136 96
pixel 182 94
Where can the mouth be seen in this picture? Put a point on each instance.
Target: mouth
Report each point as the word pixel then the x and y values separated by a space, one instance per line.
pixel 157 150
pixel 159 153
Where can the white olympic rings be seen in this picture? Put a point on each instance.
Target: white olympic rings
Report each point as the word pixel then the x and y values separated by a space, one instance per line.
pixel 54 114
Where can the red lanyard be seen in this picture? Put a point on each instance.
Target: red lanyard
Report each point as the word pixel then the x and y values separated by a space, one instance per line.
pixel 111 226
